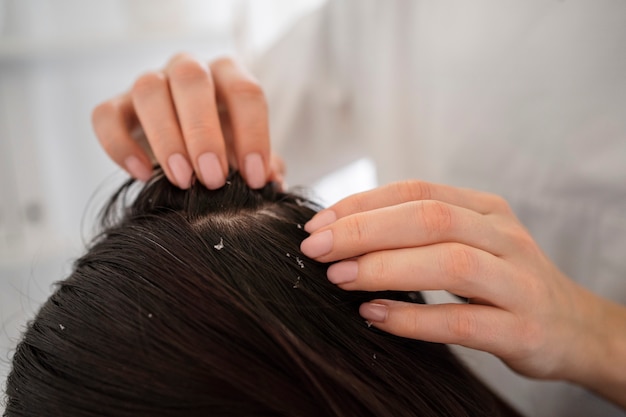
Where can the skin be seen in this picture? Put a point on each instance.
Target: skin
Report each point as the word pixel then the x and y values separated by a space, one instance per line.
pixel 193 118
pixel 405 236
pixel 419 236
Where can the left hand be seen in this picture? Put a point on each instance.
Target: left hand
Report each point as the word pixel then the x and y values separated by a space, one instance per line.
pixel 413 236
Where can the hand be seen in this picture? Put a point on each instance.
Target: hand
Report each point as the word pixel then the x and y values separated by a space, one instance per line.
pixel 194 118
pixel 413 236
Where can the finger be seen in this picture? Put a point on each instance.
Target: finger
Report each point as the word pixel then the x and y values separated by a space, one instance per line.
pixel 194 98
pixel 277 171
pixel 155 109
pixel 112 122
pixel 417 223
pixel 405 191
pixel 479 327
pixel 457 268
pixel 247 110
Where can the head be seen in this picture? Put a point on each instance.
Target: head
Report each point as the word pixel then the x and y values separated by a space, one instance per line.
pixel 199 302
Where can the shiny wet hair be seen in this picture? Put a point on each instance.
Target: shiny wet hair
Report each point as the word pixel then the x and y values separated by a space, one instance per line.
pixel 199 303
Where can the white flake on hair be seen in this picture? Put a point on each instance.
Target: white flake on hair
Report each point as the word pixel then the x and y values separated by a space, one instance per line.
pixel 369 323
pixel 288 255
pixel 299 226
pixel 297 283
pixel 149 315
pixel 300 202
pixel 374 356
pixel 220 245
pixel 62 327
pixel 300 262
pixel 228 182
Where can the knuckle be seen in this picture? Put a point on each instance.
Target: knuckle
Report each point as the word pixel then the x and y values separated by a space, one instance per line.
pixel 461 324
pixel 500 204
pixel 377 268
pixel 164 135
pixel 357 230
pixel 179 56
pixel 530 339
pixel 458 263
pixel 435 216
pixel 199 130
pixel 359 203
pixel 221 62
pixel 104 112
pixel 413 190
pixel 147 83
pixel 246 88
pixel 188 70
pixel 522 239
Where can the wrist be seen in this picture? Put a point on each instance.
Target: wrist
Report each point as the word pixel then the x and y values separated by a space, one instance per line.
pixel 598 359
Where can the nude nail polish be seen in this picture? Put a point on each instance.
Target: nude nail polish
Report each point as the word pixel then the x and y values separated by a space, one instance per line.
pixel 181 170
pixel 343 272
pixel 255 170
pixel 317 245
pixel 137 169
pixel 374 312
pixel 211 171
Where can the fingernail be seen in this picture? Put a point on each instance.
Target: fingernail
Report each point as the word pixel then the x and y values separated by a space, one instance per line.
pixel 343 272
pixel 181 170
pixel 255 171
pixel 321 219
pixel 137 168
pixel 211 171
pixel 317 245
pixel 374 312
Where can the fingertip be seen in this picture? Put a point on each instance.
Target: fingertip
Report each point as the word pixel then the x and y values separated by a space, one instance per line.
pixel 255 170
pixel 181 170
pixel 343 272
pixel 317 245
pixel 374 312
pixel 137 169
pixel 211 171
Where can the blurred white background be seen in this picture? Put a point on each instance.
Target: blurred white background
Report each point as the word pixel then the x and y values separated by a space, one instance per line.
pixel 58 60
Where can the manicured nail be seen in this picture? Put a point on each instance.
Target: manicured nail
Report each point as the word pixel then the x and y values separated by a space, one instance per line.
pixel 343 272
pixel 137 169
pixel 317 245
pixel 321 219
pixel 181 170
pixel 211 171
pixel 255 171
pixel 374 312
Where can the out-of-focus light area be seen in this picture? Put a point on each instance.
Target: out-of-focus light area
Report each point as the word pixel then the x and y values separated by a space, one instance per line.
pixel 58 60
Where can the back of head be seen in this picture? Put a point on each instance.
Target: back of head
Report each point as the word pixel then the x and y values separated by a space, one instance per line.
pixel 198 302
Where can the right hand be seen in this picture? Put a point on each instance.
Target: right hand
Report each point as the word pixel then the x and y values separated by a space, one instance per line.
pixel 192 117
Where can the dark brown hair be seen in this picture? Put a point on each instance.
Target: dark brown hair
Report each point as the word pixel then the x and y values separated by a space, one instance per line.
pixel 199 303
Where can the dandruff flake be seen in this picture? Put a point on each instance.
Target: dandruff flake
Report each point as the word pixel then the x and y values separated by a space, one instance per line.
pixel 220 245
pixel 297 283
